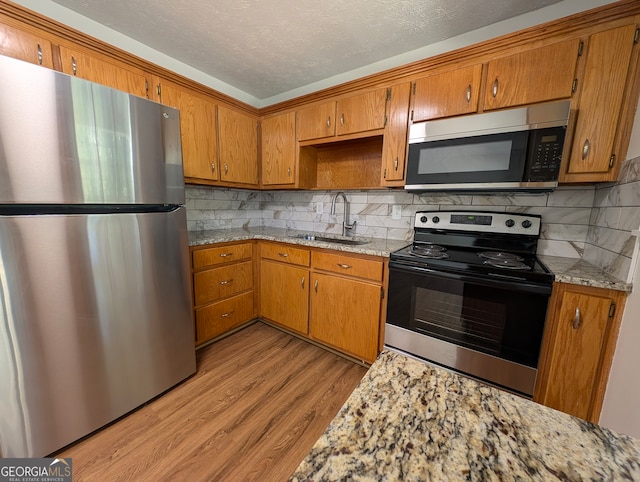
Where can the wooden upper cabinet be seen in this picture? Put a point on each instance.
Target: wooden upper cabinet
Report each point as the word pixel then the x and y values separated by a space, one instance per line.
pixel 531 76
pixel 361 113
pixel 602 93
pixel 197 126
pixel 103 70
pixel 576 355
pixel 26 46
pixel 394 144
pixel 279 149
pixel 238 146
pixel 447 94
pixel 317 121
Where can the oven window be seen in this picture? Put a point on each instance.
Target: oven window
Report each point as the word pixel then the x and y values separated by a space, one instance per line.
pixel 501 320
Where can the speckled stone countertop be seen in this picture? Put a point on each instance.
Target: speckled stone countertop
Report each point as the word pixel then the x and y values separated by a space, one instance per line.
pixel 410 421
pixel 579 272
pixel 374 246
pixel 568 270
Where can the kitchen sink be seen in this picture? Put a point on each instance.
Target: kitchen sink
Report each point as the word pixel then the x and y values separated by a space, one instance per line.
pixel 328 239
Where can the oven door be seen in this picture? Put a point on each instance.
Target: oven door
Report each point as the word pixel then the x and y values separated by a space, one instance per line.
pixel 490 328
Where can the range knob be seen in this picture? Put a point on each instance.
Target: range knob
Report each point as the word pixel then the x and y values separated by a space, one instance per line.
pixel 424 219
pixel 510 223
pixel 435 220
pixel 526 224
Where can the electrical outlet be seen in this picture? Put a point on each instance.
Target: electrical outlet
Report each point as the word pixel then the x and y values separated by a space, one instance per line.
pixel 396 212
pixel 319 207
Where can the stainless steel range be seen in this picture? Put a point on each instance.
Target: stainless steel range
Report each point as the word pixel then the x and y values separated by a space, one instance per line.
pixel 470 294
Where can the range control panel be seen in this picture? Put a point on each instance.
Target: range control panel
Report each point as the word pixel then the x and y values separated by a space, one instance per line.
pixel 484 222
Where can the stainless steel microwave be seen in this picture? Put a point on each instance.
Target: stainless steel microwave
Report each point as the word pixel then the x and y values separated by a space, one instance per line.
pixel 507 150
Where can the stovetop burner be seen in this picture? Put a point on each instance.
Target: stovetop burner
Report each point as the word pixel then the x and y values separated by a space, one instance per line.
pixel 499 256
pixel 430 251
pixel 507 264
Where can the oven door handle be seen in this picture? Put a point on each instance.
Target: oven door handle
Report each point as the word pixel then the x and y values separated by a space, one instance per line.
pixel 502 282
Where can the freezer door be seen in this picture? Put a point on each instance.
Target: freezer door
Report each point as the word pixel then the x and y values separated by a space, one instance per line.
pixel 65 140
pixel 95 320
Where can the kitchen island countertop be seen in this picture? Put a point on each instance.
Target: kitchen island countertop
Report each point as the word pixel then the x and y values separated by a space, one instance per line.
pixel 407 420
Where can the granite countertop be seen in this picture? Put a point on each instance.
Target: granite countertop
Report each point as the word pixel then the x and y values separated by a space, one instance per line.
pixel 407 420
pixel 567 270
pixel 374 246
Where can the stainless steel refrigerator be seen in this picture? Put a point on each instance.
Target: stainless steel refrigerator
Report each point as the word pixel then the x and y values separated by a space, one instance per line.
pixel 95 311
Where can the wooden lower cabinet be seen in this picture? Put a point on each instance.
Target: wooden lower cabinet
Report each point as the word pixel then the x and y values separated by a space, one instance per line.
pixel 223 295
pixel 345 314
pixel 577 351
pixel 284 295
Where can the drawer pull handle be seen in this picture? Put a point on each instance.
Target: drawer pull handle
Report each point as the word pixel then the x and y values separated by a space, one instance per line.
pixel 224 255
pixel 329 122
pixel 395 164
pixel 227 314
pixel 283 255
pixel 585 149
pixel 226 282
pixel 495 88
pixel 577 319
pixel 303 282
pixel 74 66
pixel 213 167
pixel 226 168
pixel 39 54
pixel 342 119
pixel 289 171
pixel 344 266
pixel 315 286
pixel 469 94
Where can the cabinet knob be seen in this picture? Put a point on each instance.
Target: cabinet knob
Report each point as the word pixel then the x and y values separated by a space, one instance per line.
pixel 469 93
pixel 74 66
pixel 39 54
pixel 495 88
pixel 585 149
pixel 577 319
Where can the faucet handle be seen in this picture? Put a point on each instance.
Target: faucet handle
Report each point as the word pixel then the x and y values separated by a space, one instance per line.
pixel 350 226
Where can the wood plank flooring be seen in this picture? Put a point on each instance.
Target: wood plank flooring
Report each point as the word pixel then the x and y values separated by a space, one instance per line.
pixel 257 404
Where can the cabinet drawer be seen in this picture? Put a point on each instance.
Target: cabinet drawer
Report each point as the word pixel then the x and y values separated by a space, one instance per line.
pixel 216 319
pixel 218 283
pixel 221 254
pixel 348 265
pixel 285 253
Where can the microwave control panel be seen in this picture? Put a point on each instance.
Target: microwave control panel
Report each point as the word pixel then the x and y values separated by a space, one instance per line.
pixel 545 154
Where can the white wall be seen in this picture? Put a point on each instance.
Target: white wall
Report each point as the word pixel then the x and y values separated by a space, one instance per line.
pixel 621 409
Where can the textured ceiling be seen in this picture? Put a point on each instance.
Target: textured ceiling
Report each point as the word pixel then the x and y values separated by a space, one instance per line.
pixel 269 47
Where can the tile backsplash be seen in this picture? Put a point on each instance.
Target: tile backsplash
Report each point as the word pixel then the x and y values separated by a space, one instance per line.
pixel 577 221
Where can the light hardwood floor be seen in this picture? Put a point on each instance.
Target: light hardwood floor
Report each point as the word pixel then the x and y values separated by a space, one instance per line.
pixel 257 404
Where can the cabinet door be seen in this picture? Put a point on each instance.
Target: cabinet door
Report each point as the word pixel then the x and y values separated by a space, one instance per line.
pixel 602 93
pixel 279 149
pixel 103 71
pixel 361 113
pixel 238 136
pixel 22 45
pixel 394 144
pixel 197 125
pixel 532 76
pixel 316 122
pixel 284 295
pixel 579 336
pixel 447 94
pixel 345 314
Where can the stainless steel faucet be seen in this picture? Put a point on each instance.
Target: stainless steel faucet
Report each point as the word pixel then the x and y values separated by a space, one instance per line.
pixel 345 223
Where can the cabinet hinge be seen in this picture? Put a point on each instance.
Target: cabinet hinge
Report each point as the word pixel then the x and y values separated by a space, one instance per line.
pixel 574 86
pixel 413 88
pixel 612 310
pixel 580 48
pixel 385 120
pixel 389 94
pixel 382 295
pixel 159 90
pixel 612 161
pixel 146 88
pixel 384 175
pixel 411 117
pixel 636 36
